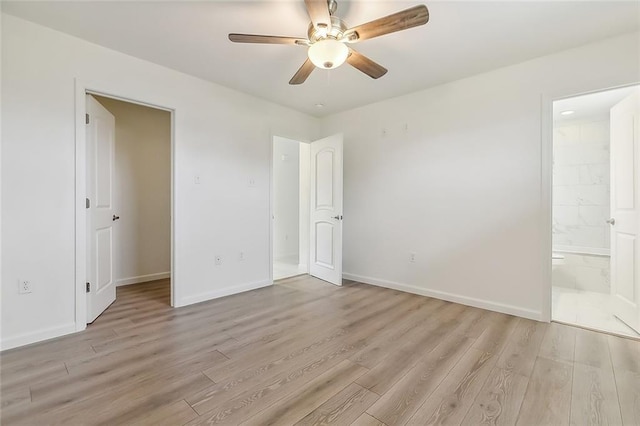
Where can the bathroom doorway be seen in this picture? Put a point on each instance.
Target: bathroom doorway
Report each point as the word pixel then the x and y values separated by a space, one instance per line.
pixel 290 212
pixel 582 222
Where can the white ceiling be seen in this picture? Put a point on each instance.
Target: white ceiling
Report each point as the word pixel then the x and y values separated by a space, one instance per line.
pixel 590 105
pixel 460 40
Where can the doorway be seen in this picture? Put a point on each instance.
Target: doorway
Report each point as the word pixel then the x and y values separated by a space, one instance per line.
pixel 128 199
pixel 306 208
pixel 290 242
pixel 584 259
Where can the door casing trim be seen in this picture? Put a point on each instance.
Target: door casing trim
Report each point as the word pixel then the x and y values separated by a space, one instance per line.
pixel 546 188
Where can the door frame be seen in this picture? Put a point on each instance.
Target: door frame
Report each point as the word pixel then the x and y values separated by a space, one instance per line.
pixel 125 94
pixel 271 201
pixel 546 188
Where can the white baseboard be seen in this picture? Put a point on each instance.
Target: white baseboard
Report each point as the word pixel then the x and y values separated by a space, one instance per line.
pixel 37 336
pixel 143 278
pixel 437 294
pixel 227 291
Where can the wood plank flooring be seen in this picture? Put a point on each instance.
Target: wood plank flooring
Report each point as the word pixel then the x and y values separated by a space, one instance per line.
pixel 305 352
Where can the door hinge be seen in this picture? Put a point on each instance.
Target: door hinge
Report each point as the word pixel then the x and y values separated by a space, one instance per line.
pixel 87 203
pixel 88 287
pixel 86 119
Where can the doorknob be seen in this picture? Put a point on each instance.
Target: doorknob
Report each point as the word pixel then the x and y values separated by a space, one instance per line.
pixel 611 221
pixel 339 217
pixel 115 217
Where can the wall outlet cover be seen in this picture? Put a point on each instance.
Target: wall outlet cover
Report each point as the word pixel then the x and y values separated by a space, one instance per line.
pixel 24 286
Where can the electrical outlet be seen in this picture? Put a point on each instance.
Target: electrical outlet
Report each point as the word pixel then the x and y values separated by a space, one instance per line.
pixel 252 183
pixel 241 257
pixel 24 286
pixel 412 257
pixel 218 260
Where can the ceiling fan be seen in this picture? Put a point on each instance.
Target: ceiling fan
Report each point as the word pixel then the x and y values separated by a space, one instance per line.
pixel 329 37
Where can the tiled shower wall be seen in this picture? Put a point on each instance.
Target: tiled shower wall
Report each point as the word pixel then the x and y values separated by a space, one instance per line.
pixel 581 184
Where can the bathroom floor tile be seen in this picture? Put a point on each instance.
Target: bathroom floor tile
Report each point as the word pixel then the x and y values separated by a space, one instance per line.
pixel 587 309
pixel 286 269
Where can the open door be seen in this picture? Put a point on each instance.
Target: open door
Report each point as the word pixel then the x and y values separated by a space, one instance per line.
pixel 100 139
pixel 326 210
pixel 625 212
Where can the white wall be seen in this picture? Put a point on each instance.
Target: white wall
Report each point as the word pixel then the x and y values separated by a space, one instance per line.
pixel 453 174
pixel 220 134
pixel 142 191
pixel 455 177
pixel 305 204
pixel 1 195
pixel 286 198
pixel 581 195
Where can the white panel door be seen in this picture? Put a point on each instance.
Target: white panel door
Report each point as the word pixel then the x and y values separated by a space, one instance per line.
pixel 625 212
pixel 100 139
pixel 326 209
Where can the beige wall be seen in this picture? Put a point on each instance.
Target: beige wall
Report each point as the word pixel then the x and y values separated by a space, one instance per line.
pixel 142 191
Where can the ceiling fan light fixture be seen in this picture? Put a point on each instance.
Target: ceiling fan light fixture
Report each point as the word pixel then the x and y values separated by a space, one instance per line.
pixel 328 53
pixel 327 35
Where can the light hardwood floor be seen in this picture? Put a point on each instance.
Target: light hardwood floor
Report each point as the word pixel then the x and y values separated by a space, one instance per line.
pixel 306 352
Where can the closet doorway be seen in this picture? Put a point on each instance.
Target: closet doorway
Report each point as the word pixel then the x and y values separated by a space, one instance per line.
pixel 128 201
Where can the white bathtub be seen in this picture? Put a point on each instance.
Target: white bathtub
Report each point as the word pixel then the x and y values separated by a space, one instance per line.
pixel 581 271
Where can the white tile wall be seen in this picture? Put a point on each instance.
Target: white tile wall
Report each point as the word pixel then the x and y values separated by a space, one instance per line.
pixel 566 134
pixel 595 132
pixel 590 174
pixel 579 236
pixel 566 175
pixel 564 215
pixel 581 183
pixel 591 215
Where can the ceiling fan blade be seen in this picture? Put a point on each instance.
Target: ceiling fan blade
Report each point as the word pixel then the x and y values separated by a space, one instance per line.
pixel 319 13
pixel 409 18
pixel 266 39
pixel 366 65
pixel 304 72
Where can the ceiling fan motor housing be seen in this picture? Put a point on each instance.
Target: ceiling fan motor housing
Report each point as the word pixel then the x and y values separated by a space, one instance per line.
pixel 337 30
